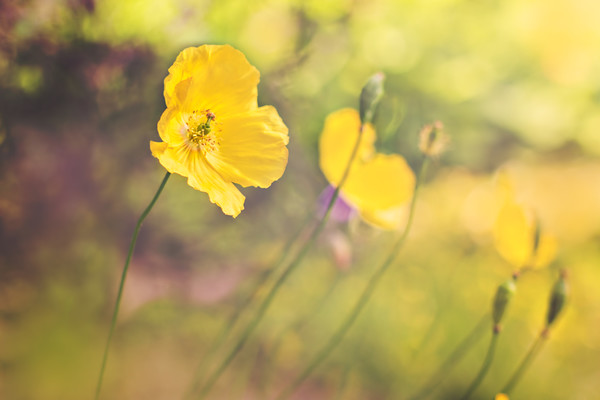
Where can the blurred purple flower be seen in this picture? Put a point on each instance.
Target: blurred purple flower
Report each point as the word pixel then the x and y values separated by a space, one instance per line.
pixel 341 211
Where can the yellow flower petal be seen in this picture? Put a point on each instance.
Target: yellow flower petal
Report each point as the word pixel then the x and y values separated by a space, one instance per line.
pixel 337 141
pixel 378 185
pixel 169 126
pixel 167 158
pixel 501 396
pixel 200 176
pixel 258 156
pixel 546 251
pixel 213 131
pixel 392 218
pixel 514 233
pixel 385 181
pixel 213 77
pixel 220 191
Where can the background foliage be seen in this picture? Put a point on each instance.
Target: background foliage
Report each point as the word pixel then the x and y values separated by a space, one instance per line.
pixel 515 83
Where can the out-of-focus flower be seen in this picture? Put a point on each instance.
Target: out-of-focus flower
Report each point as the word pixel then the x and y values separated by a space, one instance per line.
pixel 378 185
pixel 433 141
pixel 341 249
pixel 501 396
pixel 213 131
pixel 341 211
pixel 518 234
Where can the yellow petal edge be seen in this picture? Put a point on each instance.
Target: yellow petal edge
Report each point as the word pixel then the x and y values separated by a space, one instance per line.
pixel 378 185
pixel 213 131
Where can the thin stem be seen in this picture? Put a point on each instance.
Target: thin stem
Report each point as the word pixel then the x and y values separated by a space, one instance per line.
pixel 228 327
pixel 299 326
pixel 460 350
pixel 442 372
pixel 263 307
pixel 343 382
pixel 337 337
pixel 123 276
pixel 533 351
pixel 489 357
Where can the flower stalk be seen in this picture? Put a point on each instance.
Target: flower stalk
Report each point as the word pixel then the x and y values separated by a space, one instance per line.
pixel 487 363
pixel 556 303
pixel 122 282
pixel 457 354
pixel 339 335
pixel 264 306
pixel 529 356
pixel 504 294
pixel 243 305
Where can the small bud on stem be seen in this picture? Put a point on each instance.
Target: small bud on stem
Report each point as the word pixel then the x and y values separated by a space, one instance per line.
pixel 558 298
pixel 370 95
pixel 503 295
pixel 433 140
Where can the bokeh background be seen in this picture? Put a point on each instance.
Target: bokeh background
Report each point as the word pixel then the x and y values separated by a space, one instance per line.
pixel 516 84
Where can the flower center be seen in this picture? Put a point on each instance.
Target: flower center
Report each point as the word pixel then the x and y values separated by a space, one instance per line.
pixel 200 131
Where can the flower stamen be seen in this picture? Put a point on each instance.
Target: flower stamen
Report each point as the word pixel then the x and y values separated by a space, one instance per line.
pixel 200 133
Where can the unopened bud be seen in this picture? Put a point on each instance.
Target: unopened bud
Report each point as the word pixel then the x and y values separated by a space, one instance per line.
pixel 370 95
pixel 433 141
pixel 558 298
pixel 503 295
pixel 536 236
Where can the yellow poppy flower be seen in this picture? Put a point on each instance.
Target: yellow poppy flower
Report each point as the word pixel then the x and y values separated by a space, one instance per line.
pixel 515 232
pixel 378 185
pixel 213 131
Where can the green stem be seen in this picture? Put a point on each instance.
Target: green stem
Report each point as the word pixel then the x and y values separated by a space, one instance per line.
pixel 228 327
pixel 123 276
pixel 299 326
pixel 343 382
pixel 263 307
pixel 533 350
pixel 489 357
pixel 337 337
pixel 442 372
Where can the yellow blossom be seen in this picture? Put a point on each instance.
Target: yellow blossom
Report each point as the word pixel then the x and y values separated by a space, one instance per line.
pixel 213 131
pixel 501 396
pixel 517 232
pixel 378 185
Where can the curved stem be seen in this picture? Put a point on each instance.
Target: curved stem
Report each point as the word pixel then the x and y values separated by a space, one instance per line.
pixel 489 357
pixel 337 337
pixel 230 324
pixel 437 378
pixel 299 326
pixel 263 307
pixel 343 382
pixel 533 350
pixel 123 276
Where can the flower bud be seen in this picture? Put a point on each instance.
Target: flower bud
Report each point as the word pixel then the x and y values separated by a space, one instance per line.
pixel 370 95
pixel 433 140
pixel 503 295
pixel 537 234
pixel 558 298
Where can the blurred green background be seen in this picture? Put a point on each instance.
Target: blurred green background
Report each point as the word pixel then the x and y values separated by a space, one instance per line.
pixel 516 84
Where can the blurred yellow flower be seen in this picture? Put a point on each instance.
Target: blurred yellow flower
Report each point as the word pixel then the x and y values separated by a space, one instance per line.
pixel 517 233
pixel 378 185
pixel 501 396
pixel 213 131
